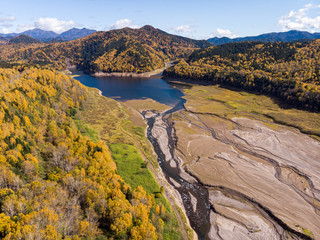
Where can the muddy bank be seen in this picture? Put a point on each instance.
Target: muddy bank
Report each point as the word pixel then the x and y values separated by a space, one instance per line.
pixel 122 74
pixel 276 170
pixel 239 179
pixel 155 72
pixel 193 195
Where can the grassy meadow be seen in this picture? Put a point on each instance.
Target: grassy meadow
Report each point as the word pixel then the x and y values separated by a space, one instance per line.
pixel 104 118
pixel 230 103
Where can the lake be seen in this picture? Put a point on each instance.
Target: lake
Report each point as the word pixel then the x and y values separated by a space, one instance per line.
pixel 128 88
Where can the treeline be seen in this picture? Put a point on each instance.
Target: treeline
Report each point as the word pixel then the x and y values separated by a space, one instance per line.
pixel 290 71
pixel 124 50
pixel 55 183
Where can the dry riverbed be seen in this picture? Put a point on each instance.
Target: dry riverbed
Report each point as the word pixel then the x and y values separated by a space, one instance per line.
pixel 262 178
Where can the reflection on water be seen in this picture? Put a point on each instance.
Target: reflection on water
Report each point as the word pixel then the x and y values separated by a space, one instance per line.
pixel 127 88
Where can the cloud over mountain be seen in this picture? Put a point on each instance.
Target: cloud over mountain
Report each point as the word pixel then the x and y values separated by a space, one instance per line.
pixel 123 23
pixel 223 33
pixel 305 18
pixel 54 24
pixel 184 29
pixel 5 23
pixel 48 24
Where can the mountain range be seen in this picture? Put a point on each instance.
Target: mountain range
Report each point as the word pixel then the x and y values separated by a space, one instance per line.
pixel 289 36
pixel 23 39
pixel 47 36
pixel 122 50
pixel 75 33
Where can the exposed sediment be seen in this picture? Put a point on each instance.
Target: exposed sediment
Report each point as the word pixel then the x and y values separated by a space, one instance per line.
pixel 193 195
pixel 120 74
pixel 129 74
pixel 257 182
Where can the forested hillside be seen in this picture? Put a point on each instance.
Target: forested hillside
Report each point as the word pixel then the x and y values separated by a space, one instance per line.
pixel 23 39
pixel 56 183
pixel 124 50
pixel 290 71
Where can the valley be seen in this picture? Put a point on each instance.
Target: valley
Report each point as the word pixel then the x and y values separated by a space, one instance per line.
pixel 233 159
pixel 150 135
pixel 250 167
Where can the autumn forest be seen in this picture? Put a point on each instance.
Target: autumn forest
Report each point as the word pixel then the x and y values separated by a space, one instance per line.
pixel 58 183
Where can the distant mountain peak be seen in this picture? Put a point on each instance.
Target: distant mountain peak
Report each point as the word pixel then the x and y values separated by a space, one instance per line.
pixel 292 35
pixel 119 45
pixel 38 30
pixel 148 27
pixel 35 29
pixel 40 34
pixel 75 33
pixel 50 36
pixel 24 39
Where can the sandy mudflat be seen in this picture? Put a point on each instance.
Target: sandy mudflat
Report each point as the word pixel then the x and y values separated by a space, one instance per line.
pixel 278 169
pixel 263 178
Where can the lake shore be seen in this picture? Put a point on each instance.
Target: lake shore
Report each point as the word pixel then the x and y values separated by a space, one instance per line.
pixel 156 72
pixel 102 114
pixel 123 74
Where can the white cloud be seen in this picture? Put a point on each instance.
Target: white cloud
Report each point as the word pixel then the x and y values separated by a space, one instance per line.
pixel 301 19
pixel 7 19
pixel 48 24
pixel 184 29
pixel 223 33
pixel 24 27
pixel 54 24
pixel 122 23
pixel 6 23
pixel 4 30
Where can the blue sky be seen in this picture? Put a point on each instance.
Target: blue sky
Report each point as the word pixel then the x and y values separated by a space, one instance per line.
pixel 197 18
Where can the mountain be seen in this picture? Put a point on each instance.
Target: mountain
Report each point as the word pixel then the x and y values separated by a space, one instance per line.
pixel 269 37
pixel 122 50
pixel 47 36
pixel 3 40
pixel 75 33
pixel 9 35
pixel 40 34
pixel 23 39
pixel 58 177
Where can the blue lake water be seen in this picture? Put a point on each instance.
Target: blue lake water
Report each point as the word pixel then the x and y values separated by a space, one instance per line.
pixel 127 88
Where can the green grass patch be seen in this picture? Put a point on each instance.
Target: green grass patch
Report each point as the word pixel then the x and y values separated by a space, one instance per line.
pixel 132 168
pixel 111 124
pixel 244 104
pixel 138 131
pixel 307 232
pixel 184 220
pixel 134 171
pixel 85 130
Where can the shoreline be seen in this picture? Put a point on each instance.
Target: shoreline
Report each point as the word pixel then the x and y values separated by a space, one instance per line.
pixel 156 72
pixel 123 74
pixel 171 196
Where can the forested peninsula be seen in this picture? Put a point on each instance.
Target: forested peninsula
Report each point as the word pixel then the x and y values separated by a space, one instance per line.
pixel 289 71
